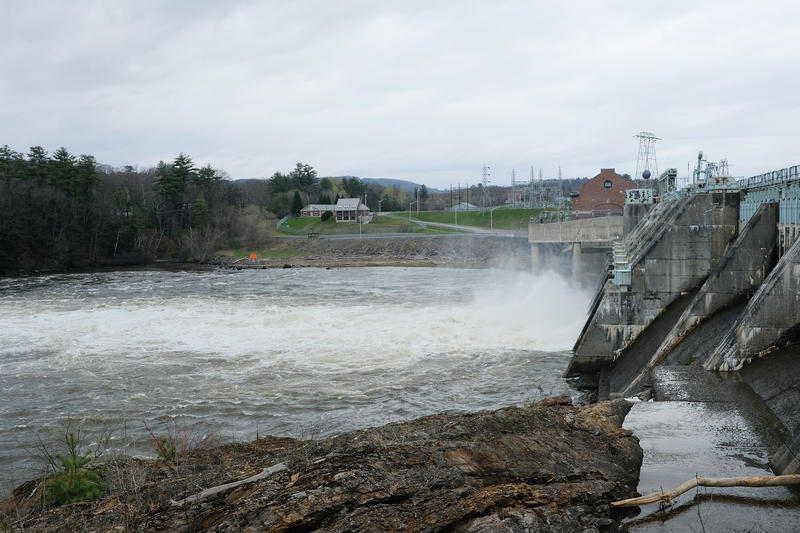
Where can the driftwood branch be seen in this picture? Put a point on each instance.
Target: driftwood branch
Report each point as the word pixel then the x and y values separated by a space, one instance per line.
pixel 667 497
pixel 280 467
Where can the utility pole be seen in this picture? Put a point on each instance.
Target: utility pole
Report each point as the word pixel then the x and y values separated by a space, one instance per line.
pixel 513 187
pixel 485 171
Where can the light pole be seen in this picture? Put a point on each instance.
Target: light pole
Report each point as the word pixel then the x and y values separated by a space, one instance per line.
pixel 491 221
pixel 409 209
pixel 379 206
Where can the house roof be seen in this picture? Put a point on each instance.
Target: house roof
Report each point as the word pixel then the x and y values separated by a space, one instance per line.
pixel 349 204
pixel 319 207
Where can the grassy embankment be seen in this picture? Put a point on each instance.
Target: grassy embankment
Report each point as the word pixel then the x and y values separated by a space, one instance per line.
pixel 379 224
pixel 499 219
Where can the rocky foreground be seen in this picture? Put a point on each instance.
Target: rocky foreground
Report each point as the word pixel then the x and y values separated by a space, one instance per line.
pixel 547 467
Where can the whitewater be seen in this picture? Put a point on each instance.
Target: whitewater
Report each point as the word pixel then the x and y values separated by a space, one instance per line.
pixel 297 352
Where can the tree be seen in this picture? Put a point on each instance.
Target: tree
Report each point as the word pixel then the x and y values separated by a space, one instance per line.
pixel 206 178
pixel 38 164
pixel 297 204
pixel 280 182
pixel 86 177
pixel 326 184
pixel 354 187
pixel 12 164
pixel 199 212
pixel 303 177
pixel 62 170
pixel 183 170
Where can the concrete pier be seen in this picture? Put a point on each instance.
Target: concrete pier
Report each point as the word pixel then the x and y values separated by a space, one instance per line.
pixel 579 248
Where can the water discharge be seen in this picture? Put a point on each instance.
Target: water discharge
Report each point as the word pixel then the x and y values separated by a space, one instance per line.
pixel 283 351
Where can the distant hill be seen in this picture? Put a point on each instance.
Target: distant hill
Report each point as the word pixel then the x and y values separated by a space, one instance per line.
pixel 398 184
pixel 386 182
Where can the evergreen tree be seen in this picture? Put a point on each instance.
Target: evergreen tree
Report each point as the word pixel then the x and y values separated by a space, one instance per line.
pixel 280 182
pixel 62 170
pixel 297 204
pixel 303 177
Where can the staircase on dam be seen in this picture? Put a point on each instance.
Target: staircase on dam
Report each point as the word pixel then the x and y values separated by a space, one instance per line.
pixel 710 280
pixel 669 253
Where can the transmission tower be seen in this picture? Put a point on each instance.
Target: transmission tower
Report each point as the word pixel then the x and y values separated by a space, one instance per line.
pixel 647 154
pixel 531 191
pixel 513 187
pixel 485 171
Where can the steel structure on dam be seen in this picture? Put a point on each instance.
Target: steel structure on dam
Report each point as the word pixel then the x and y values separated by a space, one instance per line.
pixel 708 277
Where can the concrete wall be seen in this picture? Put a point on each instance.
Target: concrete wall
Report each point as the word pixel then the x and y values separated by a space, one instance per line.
pixel 772 314
pixel 598 229
pixel 633 214
pixel 671 251
pixel 739 273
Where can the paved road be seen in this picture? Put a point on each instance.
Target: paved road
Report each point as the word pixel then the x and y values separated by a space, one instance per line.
pixel 471 229
pixel 467 231
pixel 405 236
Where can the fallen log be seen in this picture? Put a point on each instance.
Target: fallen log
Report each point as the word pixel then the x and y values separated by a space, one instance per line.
pixel 667 497
pixel 280 467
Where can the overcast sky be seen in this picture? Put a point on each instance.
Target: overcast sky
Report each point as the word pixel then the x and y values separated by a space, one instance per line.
pixel 420 90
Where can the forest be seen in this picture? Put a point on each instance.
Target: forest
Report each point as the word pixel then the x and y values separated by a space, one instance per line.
pixel 60 211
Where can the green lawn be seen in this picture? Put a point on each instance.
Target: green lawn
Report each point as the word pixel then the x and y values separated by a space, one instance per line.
pixel 499 219
pixel 382 224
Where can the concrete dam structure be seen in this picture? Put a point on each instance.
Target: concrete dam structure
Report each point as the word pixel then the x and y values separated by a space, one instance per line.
pixel 705 281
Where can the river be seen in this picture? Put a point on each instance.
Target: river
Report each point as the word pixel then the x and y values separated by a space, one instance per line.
pixel 297 352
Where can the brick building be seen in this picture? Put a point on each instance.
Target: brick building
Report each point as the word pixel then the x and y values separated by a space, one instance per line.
pixel 602 195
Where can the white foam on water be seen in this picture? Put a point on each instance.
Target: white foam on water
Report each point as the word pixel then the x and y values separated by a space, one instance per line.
pixel 501 311
pixel 277 350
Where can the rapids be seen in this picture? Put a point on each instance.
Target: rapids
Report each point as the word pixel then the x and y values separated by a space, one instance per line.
pixel 297 352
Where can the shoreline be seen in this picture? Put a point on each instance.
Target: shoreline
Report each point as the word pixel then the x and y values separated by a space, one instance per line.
pixel 334 253
pixel 551 466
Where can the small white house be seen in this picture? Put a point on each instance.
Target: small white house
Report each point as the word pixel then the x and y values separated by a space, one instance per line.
pixel 316 210
pixel 350 209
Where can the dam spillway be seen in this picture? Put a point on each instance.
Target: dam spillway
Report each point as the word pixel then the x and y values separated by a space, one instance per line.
pixel 709 277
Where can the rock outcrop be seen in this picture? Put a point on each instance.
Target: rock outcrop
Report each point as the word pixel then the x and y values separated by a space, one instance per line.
pixel 547 467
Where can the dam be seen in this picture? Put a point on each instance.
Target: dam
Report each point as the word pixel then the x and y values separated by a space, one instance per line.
pixel 703 283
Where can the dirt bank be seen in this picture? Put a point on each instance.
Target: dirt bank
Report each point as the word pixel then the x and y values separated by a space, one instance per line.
pixel 547 467
pixel 451 250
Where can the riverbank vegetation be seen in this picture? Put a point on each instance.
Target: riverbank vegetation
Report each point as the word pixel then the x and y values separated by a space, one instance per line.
pixel 61 211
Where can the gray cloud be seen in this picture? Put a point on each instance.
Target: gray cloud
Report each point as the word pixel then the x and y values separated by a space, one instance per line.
pixel 425 91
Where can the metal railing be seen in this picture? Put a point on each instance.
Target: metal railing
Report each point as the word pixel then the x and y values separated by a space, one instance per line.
pixel 771 178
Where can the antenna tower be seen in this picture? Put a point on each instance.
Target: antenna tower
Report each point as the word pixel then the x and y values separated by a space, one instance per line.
pixel 646 160
pixel 485 172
